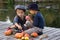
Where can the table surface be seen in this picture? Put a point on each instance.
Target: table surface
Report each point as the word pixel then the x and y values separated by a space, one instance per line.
pixel 53 33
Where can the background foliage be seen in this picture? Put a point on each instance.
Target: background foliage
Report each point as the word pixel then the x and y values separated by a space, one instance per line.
pixel 51 15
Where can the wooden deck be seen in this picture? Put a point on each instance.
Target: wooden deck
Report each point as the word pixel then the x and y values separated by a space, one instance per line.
pixel 53 33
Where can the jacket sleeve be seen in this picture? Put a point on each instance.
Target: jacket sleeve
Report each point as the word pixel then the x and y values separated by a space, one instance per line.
pixel 35 21
pixel 15 20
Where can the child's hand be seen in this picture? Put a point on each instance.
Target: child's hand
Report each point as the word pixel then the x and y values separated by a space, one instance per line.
pixel 27 18
pixel 25 25
pixel 19 27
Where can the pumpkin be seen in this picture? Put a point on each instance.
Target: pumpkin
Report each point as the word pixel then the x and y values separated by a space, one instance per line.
pixel 34 34
pixel 8 32
pixel 18 35
pixel 26 35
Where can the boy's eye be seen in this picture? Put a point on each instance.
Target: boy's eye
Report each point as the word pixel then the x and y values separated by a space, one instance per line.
pixel 21 12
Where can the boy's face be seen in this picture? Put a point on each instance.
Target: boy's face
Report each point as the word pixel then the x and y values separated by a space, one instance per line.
pixel 32 11
pixel 20 13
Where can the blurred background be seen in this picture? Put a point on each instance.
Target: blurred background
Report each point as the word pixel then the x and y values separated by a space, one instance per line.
pixel 49 8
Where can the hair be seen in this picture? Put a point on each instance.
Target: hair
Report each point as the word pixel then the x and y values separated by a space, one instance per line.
pixel 21 9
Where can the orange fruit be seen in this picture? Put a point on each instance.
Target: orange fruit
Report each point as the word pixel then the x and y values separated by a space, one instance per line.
pixel 34 34
pixel 26 35
pixel 8 32
pixel 18 35
pixel 23 33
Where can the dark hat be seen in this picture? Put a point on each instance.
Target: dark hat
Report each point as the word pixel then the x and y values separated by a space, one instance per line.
pixel 33 6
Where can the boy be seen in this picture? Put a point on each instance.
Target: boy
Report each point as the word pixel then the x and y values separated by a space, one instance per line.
pixel 19 19
pixel 38 21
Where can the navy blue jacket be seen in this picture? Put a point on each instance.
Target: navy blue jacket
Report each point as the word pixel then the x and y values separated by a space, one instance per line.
pixel 38 20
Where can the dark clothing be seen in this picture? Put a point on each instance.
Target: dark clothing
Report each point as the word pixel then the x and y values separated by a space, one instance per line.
pixel 38 20
pixel 18 20
pixel 21 22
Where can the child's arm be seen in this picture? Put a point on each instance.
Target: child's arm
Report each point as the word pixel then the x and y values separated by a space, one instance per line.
pixel 19 26
pixel 31 21
pixel 15 22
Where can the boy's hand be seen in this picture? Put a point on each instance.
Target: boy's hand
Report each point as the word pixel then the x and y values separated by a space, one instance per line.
pixel 25 25
pixel 19 27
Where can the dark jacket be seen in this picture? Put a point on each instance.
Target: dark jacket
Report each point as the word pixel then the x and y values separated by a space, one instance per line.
pixel 38 20
pixel 18 20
